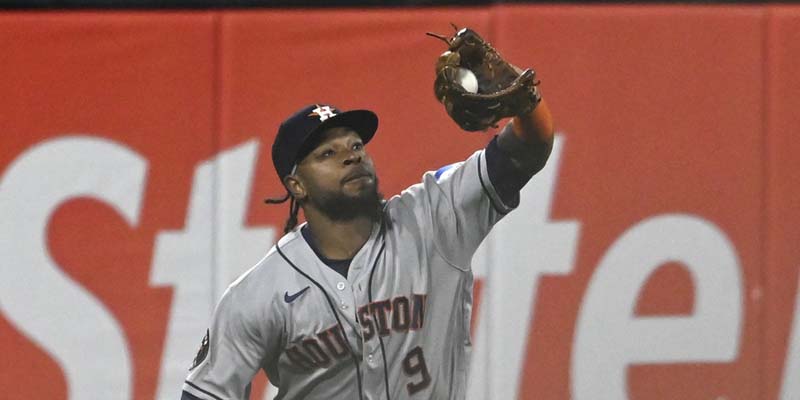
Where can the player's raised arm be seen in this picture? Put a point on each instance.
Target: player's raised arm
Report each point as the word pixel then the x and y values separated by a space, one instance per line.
pixel 528 139
pixel 479 88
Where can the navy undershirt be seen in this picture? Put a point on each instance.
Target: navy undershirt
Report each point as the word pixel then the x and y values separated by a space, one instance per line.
pixel 188 396
pixel 340 266
pixel 506 179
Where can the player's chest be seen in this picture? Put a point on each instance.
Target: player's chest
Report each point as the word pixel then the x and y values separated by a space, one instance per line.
pixel 331 316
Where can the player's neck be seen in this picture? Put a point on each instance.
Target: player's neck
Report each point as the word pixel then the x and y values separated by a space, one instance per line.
pixel 339 240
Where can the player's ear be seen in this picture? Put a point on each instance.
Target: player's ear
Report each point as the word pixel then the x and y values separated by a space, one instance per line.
pixel 295 186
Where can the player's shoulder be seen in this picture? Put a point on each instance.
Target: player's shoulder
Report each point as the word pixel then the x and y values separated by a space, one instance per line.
pixel 261 287
pixel 268 273
pixel 432 182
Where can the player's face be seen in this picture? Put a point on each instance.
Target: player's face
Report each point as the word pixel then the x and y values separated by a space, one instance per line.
pixel 338 176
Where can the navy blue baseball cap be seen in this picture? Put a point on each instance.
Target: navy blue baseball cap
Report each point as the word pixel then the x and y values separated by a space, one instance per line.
pixel 298 134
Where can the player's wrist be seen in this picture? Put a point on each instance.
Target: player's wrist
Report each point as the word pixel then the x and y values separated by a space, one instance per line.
pixel 535 126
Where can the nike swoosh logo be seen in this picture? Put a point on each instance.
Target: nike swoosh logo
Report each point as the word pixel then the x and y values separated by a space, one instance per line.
pixel 287 298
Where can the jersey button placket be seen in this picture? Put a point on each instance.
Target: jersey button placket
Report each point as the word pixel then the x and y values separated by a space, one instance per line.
pixel 341 286
pixel 346 300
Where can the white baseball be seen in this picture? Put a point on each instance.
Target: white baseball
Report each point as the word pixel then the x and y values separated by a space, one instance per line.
pixel 467 80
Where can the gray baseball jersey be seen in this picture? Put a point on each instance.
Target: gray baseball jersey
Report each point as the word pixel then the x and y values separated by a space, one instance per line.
pixel 396 328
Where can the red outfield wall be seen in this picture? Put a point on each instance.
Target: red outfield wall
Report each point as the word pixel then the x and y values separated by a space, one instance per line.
pixel 656 257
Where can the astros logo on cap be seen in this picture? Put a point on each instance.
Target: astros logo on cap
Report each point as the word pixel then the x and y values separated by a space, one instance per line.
pixel 323 112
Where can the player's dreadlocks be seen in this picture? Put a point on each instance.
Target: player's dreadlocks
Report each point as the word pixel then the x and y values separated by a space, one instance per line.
pixel 294 208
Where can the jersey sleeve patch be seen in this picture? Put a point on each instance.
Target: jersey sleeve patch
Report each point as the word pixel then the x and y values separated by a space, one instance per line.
pixel 446 171
pixel 202 353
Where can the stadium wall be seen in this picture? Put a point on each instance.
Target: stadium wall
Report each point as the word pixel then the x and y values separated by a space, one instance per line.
pixel 657 256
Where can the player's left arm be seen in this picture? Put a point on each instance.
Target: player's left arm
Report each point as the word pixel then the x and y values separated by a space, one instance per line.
pixel 521 150
pixel 528 138
pixel 460 203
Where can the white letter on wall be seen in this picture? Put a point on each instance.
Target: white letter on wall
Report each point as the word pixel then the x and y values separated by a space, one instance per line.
pixel 791 372
pixel 200 261
pixel 609 337
pixel 37 297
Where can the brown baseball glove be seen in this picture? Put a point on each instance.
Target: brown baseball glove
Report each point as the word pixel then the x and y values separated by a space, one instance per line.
pixel 503 90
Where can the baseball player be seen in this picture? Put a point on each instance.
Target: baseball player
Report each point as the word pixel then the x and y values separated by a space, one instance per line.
pixel 369 298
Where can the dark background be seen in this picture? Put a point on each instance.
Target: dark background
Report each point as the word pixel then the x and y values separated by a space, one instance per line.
pixel 189 4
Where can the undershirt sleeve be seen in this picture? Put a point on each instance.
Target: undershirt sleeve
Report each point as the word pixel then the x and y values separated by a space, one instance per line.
pixel 188 396
pixel 505 177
